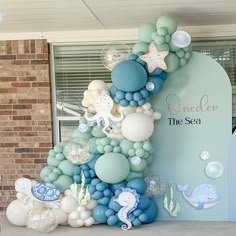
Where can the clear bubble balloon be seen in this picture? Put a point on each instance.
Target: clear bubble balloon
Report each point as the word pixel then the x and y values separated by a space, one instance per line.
pixel 155 186
pixel 114 53
pixel 42 219
pixel 181 39
pixel 214 169
pixel 77 152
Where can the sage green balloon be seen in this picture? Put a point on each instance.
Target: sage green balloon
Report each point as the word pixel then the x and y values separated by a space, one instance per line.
pixel 97 132
pixel 63 183
pixel 126 145
pixel 112 168
pixel 67 167
pixel 138 167
pixel 46 171
pixel 141 47
pixel 52 161
pixel 92 145
pixel 145 31
pixel 172 62
pixel 58 148
pixel 168 22
pixel 81 135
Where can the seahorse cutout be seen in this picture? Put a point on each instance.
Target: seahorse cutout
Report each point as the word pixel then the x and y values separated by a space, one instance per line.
pixel 128 199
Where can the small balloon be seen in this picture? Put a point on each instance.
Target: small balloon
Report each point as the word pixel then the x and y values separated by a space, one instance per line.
pixel 181 39
pixel 155 186
pixel 77 152
pixel 112 54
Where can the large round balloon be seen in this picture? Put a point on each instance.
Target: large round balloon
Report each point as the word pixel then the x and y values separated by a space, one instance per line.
pixel 77 152
pixel 16 213
pixel 112 167
pixel 137 127
pixel 129 76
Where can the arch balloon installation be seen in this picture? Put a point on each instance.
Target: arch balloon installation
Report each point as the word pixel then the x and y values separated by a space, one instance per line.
pixel 101 175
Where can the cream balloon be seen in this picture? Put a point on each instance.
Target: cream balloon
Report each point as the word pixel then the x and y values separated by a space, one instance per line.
pixel 68 204
pixel 16 213
pixel 137 127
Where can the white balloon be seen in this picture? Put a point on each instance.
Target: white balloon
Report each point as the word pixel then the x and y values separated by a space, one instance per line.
pixel 61 216
pixel 16 213
pixel 90 221
pixel 137 127
pixel 68 204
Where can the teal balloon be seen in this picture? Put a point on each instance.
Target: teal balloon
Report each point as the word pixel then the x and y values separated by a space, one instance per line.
pixel 172 62
pixel 168 22
pixel 112 167
pixel 67 167
pixel 140 47
pixel 129 76
pixel 139 184
pixel 52 161
pixel 63 183
pixel 145 32
pixel 151 212
pixel 99 213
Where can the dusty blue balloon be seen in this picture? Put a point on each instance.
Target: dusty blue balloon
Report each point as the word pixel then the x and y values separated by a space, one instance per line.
pixel 99 213
pixel 151 212
pixel 154 84
pixel 141 47
pixel 145 32
pixel 139 184
pixel 129 76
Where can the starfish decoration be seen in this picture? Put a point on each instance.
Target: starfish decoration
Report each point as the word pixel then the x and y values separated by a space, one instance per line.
pixel 155 58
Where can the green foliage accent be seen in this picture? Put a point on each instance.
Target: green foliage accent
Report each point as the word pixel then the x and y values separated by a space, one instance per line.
pixel 173 208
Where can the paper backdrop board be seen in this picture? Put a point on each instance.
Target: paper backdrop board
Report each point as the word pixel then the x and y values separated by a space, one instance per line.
pixel 192 138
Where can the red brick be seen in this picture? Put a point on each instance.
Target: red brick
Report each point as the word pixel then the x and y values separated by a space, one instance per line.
pixel 23 128
pixel 8 90
pixel 20 62
pixel 7 79
pixel 36 62
pixel 28 134
pixel 9 47
pixel 25 101
pixel 25 56
pixel 26 46
pixel 7 113
pixel 40 150
pixel 5 107
pixel 45 145
pixel 27 78
pixel 46 101
pixel 32 46
pixel 40 84
pixel 22 117
pixel 9 144
pixel 30 155
pixel 24 161
pixel 22 106
pixel 24 150
pixel 21 84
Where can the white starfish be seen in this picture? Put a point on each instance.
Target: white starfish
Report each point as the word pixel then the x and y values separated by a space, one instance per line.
pixel 155 58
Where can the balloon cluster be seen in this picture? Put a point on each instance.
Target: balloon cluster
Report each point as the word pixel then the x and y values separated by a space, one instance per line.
pixel 101 171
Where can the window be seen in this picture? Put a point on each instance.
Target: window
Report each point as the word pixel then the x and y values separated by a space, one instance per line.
pixel 75 66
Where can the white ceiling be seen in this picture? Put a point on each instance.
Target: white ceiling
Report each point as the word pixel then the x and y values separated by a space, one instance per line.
pixel 67 15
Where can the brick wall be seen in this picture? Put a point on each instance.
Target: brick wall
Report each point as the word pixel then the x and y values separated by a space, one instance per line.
pixel 25 112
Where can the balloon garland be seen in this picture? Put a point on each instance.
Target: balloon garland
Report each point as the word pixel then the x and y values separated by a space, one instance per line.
pixel 102 172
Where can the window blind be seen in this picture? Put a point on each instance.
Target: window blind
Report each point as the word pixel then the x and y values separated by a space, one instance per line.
pixel 75 67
